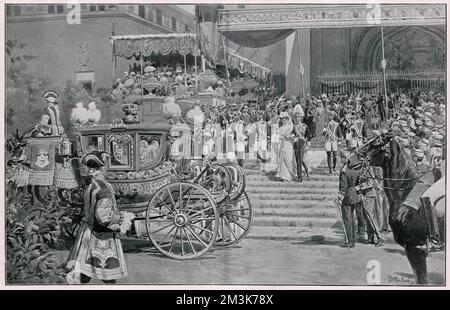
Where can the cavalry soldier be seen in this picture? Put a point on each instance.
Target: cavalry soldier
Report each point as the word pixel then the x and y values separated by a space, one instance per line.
pixel 332 134
pixel 52 109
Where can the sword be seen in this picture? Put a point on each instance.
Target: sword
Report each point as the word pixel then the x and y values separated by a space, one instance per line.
pixel 339 206
pixel 372 222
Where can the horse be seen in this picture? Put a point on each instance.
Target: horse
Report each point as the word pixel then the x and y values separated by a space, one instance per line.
pixel 400 176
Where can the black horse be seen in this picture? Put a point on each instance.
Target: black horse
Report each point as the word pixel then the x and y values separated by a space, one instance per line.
pixel 400 176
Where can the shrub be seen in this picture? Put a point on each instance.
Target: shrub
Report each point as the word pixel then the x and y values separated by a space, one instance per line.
pixel 31 235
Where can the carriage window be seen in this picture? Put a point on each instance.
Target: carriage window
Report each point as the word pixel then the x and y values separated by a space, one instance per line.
pixel 92 143
pixel 149 149
pixel 120 153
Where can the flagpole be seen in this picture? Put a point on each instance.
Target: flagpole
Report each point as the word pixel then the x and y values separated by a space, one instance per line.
pixel 383 65
pixel 114 8
pixel 196 49
pixel 301 69
pixel 225 53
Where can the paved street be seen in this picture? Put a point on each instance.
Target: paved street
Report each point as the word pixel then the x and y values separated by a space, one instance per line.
pixel 276 262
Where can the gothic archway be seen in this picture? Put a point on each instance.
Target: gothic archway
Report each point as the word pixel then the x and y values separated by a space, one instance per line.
pixel 406 48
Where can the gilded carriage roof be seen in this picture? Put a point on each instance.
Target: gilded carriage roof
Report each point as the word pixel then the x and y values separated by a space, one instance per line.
pixel 160 127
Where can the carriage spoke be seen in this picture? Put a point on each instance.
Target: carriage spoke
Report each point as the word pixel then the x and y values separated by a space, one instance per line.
pixel 240 216
pixel 170 210
pixel 196 236
pixel 229 227
pixel 222 228
pixel 154 232
pixel 166 235
pixel 189 198
pixel 198 212
pixel 242 198
pixel 237 223
pixel 238 210
pixel 189 241
pixel 173 240
pixel 159 211
pixel 160 220
pixel 179 199
pixel 171 197
pixel 198 219
pixel 204 229
pixel 181 240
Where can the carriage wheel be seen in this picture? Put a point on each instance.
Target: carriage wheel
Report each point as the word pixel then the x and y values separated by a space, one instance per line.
pixel 217 181
pixel 237 179
pixel 73 228
pixel 236 219
pixel 181 220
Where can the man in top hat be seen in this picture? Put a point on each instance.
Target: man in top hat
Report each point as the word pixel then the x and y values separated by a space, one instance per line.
pixel 52 109
pixel 332 134
pixel 97 250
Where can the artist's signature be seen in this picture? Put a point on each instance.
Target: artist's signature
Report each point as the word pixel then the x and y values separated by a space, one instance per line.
pixel 399 279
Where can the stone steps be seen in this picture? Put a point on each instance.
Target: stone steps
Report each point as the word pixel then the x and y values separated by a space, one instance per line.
pixel 276 203
pixel 315 212
pixel 307 205
pixel 291 197
pixel 305 184
pixel 310 222
pixel 312 177
pixel 290 190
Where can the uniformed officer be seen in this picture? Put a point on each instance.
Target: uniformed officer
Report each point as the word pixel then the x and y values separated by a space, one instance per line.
pixel 332 134
pixel 300 146
pixel 348 200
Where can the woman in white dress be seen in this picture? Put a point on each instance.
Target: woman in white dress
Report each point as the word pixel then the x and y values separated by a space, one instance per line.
pixel 286 163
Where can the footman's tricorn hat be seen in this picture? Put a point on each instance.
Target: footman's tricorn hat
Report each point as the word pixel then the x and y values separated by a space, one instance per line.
pixel 95 159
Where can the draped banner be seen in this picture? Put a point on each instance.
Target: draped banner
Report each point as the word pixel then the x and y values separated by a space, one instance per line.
pixel 289 46
pixel 130 46
pixel 257 38
pixel 42 157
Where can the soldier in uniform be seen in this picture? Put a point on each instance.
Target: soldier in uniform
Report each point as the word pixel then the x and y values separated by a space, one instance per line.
pixel 300 146
pixel 367 189
pixel 348 200
pixel 358 130
pixel 332 134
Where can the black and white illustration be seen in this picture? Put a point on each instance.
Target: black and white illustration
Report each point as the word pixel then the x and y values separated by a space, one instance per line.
pixel 224 144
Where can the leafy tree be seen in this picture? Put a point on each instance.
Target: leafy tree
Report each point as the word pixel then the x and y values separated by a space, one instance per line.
pixel 24 103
